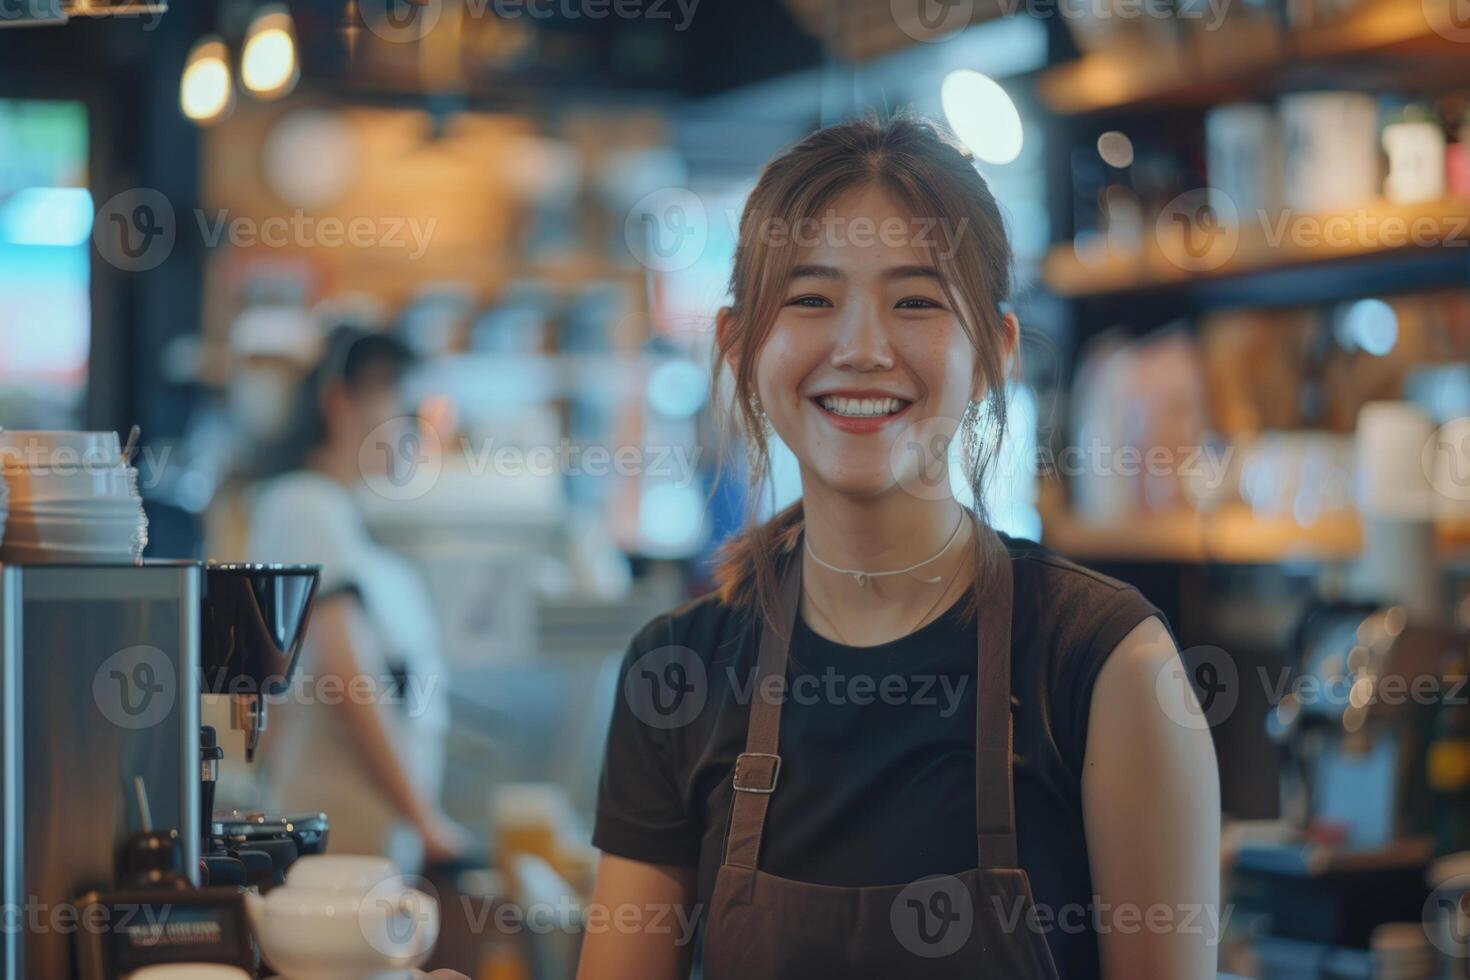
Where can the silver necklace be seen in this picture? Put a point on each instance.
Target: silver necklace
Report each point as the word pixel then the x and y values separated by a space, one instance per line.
pixel 862 577
pixel 842 639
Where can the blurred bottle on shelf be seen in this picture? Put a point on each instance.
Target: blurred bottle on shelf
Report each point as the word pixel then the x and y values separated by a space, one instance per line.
pixel 1415 144
pixel 1243 153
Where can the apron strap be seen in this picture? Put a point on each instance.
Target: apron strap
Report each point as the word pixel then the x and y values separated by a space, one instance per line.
pixel 995 806
pixel 758 768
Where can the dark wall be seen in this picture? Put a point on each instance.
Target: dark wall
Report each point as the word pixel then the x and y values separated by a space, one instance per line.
pixel 126 71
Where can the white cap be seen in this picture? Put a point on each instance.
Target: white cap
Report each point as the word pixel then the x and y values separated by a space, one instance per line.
pixel 287 332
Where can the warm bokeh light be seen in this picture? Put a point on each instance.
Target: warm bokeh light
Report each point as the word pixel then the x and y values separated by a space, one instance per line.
pixel 268 64
pixel 206 92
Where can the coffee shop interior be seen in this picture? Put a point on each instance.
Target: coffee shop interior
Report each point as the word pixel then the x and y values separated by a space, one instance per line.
pixel 1242 253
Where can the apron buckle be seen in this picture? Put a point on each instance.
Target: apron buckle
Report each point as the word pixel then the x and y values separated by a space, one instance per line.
pixel 765 773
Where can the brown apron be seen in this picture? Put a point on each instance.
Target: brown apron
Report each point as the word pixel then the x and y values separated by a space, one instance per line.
pixel 975 924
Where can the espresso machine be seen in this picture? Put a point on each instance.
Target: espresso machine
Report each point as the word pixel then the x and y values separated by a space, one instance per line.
pixel 104 775
pixel 1354 723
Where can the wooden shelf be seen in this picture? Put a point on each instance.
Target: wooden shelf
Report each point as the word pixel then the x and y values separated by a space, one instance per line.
pixel 1242 61
pixel 1231 535
pixel 1261 244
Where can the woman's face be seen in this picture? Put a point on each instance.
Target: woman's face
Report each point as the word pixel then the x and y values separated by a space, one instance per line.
pixel 372 420
pixel 866 347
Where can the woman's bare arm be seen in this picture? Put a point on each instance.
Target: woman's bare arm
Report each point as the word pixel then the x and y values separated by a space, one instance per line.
pixel 1151 801
pixel 640 922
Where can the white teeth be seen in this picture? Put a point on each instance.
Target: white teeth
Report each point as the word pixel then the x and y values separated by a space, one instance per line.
pixel 860 406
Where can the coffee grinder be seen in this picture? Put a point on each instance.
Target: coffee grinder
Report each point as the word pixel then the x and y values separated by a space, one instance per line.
pixel 252 623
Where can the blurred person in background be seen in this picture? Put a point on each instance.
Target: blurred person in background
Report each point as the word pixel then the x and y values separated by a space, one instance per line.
pixel 271 349
pixel 361 734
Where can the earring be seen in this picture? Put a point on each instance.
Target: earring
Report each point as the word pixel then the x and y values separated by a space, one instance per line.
pixel 757 410
pixel 970 434
pixel 755 460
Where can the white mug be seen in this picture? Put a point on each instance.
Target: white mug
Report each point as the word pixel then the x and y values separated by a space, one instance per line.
pixel 1331 150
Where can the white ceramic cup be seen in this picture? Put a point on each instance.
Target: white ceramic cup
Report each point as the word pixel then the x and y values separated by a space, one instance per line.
pixel 71 481
pixel 344 917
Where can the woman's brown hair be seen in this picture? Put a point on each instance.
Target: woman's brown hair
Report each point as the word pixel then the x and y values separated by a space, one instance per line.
pixel 933 176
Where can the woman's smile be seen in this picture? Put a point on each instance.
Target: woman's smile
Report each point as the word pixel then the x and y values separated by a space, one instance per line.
pixel 859 411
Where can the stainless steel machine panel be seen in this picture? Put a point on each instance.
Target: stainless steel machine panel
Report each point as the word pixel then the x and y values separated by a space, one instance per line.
pixel 99 696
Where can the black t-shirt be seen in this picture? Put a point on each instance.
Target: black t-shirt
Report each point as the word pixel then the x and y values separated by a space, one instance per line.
pixel 877 782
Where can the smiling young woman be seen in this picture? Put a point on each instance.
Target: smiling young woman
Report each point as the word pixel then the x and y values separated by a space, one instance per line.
pixel 895 742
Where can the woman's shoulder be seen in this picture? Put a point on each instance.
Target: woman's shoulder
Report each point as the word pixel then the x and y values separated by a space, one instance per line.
pixel 1076 616
pixel 1077 601
pixel 705 625
pixel 1069 578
